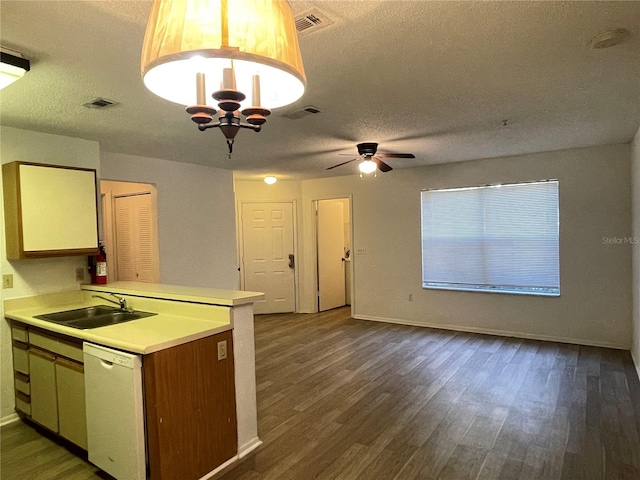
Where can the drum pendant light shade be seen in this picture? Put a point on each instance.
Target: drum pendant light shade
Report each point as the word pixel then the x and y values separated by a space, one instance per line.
pixel 254 37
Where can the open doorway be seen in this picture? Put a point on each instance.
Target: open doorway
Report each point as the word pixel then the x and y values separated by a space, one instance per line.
pixel 333 249
pixel 130 226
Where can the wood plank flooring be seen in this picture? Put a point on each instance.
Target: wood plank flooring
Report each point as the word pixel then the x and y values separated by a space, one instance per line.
pixel 28 453
pixel 349 399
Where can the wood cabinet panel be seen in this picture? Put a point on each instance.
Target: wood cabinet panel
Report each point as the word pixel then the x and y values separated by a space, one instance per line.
pixel 190 409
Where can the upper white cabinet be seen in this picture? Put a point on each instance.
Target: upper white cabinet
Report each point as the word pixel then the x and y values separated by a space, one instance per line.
pixel 49 210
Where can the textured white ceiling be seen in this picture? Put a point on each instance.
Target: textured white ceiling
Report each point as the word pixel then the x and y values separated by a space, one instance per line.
pixel 436 79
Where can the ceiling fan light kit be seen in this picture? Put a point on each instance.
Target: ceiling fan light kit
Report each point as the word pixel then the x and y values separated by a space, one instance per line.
pixel 226 47
pixel 367 166
pixel 372 159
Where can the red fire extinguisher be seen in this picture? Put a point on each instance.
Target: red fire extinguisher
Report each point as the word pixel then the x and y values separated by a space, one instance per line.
pixel 99 267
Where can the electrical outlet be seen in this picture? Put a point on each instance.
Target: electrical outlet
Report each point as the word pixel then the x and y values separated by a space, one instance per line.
pixel 79 274
pixel 222 350
pixel 7 281
pixel 361 251
pixel 411 297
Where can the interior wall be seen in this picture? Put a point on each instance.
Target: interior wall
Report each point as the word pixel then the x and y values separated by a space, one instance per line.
pixel 635 235
pixel 595 273
pixel 595 304
pixel 196 218
pixel 39 276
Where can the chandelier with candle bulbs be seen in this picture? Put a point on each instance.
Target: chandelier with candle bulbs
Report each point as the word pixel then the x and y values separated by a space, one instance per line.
pixel 226 47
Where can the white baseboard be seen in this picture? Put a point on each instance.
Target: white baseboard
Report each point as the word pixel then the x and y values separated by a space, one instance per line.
pixel 489 331
pixel 9 419
pixel 248 447
pixel 226 466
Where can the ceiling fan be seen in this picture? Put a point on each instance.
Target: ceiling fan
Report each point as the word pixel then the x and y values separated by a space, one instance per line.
pixel 369 153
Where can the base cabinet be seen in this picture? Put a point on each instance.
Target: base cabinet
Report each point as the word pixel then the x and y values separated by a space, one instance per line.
pixel 49 382
pixel 190 409
pixel 188 395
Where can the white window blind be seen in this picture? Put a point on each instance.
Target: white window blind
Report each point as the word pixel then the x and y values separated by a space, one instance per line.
pixel 502 238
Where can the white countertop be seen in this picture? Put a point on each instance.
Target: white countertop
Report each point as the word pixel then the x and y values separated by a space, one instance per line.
pixel 181 293
pixel 184 314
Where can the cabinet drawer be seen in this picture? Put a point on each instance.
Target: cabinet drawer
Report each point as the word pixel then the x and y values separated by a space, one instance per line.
pixel 23 403
pixel 56 345
pixel 22 383
pixel 20 358
pixel 18 332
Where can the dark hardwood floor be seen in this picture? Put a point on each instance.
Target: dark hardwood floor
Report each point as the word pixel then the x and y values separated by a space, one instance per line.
pixel 349 399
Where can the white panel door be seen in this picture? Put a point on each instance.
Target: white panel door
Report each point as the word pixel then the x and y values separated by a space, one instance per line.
pixel 136 239
pixel 330 232
pixel 267 237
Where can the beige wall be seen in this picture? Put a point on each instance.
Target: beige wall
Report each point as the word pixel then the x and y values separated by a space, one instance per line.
pixel 32 277
pixel 595 302
pixel 196 218
pixel 635 235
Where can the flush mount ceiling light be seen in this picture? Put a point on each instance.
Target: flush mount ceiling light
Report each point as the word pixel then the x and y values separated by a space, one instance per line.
pixel 12 67
pixel 270 180
pixel 223 47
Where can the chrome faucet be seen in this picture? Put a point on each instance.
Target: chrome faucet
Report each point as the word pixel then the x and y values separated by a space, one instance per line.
pixel 122 302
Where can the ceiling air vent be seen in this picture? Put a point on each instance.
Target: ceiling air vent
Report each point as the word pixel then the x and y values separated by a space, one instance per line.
pixel 303 112
pixel 311 21
pixel 100 103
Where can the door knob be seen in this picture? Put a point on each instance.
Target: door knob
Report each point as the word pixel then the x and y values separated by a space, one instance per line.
pixel 292 261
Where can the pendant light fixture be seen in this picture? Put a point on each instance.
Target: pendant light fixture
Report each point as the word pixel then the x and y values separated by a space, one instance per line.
pixel 225 49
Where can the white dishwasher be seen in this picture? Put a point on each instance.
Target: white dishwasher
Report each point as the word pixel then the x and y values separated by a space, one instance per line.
pixel 115 412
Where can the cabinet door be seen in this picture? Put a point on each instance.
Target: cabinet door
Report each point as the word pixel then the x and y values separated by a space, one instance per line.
pixel 72 418
pixel 44 398
pixel 49 210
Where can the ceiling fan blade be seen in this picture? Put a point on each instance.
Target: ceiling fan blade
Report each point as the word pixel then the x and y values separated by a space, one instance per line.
pixel 343 163
pixel 396 155
pixel 383 167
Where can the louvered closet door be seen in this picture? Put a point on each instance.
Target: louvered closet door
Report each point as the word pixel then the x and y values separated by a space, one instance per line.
pixel 136 239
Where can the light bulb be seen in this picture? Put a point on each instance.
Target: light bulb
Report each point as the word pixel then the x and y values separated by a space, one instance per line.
pixel 368 166
pixel 270 180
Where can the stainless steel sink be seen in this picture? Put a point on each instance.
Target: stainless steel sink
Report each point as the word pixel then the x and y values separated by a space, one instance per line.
pixel 93 317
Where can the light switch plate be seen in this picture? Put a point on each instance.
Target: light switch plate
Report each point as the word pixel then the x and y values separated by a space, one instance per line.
pixel 7 281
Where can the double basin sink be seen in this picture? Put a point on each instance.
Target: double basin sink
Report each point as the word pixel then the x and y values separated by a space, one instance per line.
pixel 93 317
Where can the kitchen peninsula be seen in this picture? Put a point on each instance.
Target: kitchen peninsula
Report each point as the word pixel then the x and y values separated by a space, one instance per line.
pixel 198 358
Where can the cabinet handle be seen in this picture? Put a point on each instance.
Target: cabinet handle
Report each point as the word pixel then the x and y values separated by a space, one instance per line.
pixel 41 354
pixel 19 345
pixel 63 362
